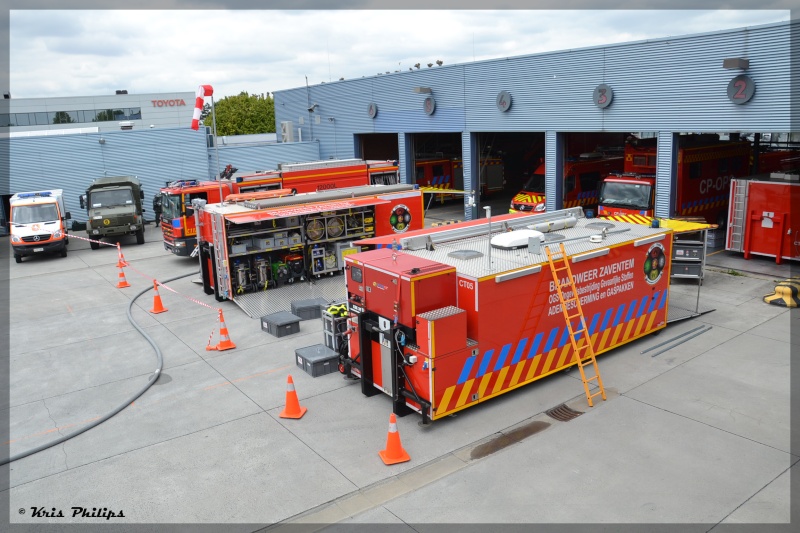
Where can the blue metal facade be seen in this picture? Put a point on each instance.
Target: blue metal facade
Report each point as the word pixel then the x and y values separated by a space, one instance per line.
pixel 70 162
pixel 669 85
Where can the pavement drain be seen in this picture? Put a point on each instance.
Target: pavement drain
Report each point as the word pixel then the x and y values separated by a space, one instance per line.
pixel 506 439
pixel 562 413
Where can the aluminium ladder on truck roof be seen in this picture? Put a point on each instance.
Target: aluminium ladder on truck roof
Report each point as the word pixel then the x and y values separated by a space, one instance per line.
pixel 582 351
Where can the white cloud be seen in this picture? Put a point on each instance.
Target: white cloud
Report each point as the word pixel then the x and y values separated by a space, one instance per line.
pixel 72 53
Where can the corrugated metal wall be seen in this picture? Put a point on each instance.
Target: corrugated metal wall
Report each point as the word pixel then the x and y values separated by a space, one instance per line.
pixel 669 84
pixel 674 84
pixel 263 157
pixel 71 162
pixel 666 180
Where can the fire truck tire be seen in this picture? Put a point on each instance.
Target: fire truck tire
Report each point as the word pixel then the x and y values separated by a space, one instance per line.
pixel 140 236
pixel 94 244
pixel 18 258
pixel 722 220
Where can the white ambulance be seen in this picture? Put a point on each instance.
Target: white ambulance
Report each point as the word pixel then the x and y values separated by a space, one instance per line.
pixel 37 223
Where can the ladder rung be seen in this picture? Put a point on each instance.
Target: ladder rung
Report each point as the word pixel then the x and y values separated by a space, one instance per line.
pixel 599 393
pixel 590 379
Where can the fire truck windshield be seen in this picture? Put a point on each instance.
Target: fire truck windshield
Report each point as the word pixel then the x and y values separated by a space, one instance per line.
pixel 630 195
pixel 535 184
pixel 171 206
pixel 28 214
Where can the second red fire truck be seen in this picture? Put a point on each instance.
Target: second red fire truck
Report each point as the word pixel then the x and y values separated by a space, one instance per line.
pixel 177 215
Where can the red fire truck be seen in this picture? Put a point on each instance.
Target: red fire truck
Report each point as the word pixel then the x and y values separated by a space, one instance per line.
pixel 177 218
pixel 250 246
pixel 583 176
pixel 705 167
pixel 453 318
pixel 448 173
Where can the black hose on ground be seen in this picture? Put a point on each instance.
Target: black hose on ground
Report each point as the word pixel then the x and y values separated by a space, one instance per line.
pixel 126 403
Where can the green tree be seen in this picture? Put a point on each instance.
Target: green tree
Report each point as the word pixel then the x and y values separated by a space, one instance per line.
pixel 62 117
pixel 244 114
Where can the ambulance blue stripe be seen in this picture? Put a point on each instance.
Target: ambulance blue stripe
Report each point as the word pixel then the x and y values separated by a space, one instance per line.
pixel 607 318
pixel 653 302
pixel 619 315
pixel 466 369
pixel 501 361
pixel 631 309
pixel 487 356
pixel 642 306
pixel 534 347
pixel 520 349
pixel 663 300
pixel 550 339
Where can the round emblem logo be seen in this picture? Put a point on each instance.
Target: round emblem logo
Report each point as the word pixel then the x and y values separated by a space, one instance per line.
pixel 603 96
pixel 503 101
pixel 106 222
pixel 741 89
pixel 400 218
pixel 372 110
pixel 35 227
pixel 36 238
pixel 429 105
pixel 654 263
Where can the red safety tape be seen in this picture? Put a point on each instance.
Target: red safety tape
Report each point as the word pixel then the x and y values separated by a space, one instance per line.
pixel 73 236
pixel 198 302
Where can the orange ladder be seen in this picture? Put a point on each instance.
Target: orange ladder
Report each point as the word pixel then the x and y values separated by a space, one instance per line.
pixel 559 262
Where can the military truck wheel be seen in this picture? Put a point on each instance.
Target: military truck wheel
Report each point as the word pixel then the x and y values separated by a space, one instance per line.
pixel 94 244
pixel 140 236
pixel 18 258
pixel 64 252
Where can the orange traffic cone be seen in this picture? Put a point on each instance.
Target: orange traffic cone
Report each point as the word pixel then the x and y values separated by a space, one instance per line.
pixel 122 282
pixel 394 452
pixel 292 409
pixel 224 340
pixel 157 305
pixel 120 258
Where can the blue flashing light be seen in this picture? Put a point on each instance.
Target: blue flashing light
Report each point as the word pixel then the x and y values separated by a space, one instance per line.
pixel 176 223
pixel 34 194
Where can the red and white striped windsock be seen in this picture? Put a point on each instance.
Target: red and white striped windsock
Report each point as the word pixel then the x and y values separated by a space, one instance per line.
pixel 202 92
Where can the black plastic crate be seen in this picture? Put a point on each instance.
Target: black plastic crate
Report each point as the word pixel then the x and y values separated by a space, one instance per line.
pixel 309 309
pixel 317 360
pixel 280 324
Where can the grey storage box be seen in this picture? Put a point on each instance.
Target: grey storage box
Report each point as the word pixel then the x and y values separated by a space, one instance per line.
pixel 692 270
pixel 281 323
pixel 241 246
pixel 262 243
pixel 317 360
pixel 309 309
pixel 294 238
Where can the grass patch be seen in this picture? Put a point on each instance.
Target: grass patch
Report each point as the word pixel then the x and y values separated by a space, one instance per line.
pixel 732 272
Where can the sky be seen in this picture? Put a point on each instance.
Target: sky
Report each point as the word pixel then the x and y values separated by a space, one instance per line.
pixel 87 53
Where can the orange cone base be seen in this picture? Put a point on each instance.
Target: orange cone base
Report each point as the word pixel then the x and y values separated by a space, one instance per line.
pixel 401 457
pixel 298 414
pixel 225 345
pixel 123 283
pixel 158 308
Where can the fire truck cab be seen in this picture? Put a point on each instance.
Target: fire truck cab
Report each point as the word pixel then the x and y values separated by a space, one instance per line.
pixel 583 176
pixel 705 167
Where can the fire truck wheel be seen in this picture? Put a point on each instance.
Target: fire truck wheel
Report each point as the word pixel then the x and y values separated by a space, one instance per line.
pixel 140 236
pixel 18 258
pixel 94 244
pixel 722 220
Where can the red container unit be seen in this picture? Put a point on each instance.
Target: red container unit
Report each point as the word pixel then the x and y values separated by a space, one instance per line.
pixel 450 321
pixel 248 247
pixel 764 217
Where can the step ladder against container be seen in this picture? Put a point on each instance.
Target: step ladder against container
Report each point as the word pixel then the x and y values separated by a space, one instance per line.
pixel 738 213
pixel 217 224
pixel 585 355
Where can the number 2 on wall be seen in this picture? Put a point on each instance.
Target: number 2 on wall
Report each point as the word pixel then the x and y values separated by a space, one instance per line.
pixel 741 87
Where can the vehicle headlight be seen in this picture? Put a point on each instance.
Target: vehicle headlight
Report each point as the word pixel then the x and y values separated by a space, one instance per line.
pixel 15 238
pixel 133 227
pixel 539 207
pixel 180 244
pixel 57 234
pixel 96 231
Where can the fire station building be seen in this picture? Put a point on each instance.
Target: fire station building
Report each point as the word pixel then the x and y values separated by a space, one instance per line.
pixel 518 110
